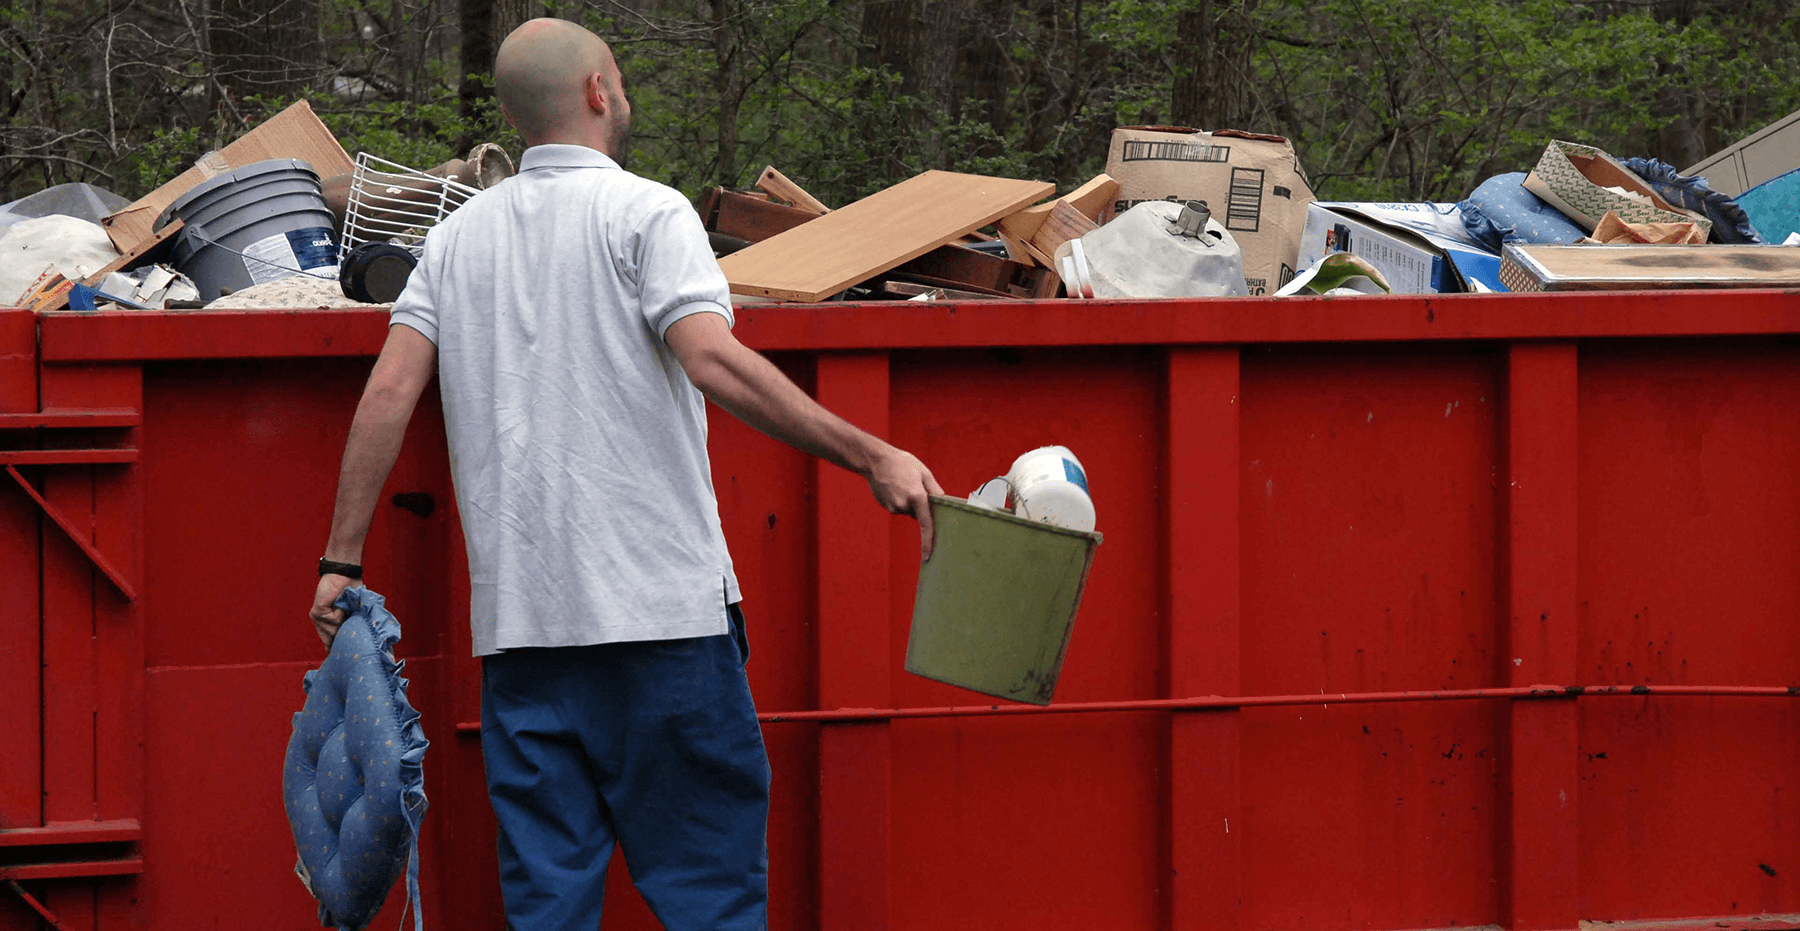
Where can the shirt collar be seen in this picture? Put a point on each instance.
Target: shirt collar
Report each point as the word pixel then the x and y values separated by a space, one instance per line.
pixel 564 156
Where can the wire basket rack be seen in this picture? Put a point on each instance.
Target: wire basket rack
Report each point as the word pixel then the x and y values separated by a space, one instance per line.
pixel 390 202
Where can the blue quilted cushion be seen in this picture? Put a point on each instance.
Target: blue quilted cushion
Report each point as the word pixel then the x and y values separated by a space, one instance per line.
pixel 1501 211
pixel 354 779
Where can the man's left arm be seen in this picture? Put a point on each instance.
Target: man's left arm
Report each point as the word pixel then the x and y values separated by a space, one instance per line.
pixel 401 373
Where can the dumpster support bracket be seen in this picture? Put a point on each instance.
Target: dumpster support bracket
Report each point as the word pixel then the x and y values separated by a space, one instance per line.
pixel 93 554
pixel 36 906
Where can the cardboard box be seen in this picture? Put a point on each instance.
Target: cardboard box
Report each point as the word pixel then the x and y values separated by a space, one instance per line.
pixel 1577 179
pixel 1418 248
pixel 1641 267
pixel 1252 183
pixel 293 133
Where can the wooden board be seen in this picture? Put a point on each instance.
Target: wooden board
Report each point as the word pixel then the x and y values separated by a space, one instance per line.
pixel 749 218
pixel 877 233
pixel 776 184
pixel 1089 200
pixel 1622 268
pixel 1063 224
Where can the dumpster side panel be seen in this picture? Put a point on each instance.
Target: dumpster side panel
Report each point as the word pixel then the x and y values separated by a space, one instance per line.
pixel 1369 528
pixel 1055 820
pixel 1300 499
pixel 1690 539
pixel 21 773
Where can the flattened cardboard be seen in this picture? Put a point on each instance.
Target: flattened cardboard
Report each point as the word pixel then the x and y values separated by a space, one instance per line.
pixel 293 133
pixel 1252 183
pixel 844 247
pixel 1629 268
pixel 1412 245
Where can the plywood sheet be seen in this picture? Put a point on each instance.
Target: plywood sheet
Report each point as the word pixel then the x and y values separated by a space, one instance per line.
pixel 846 246
pixel 1619 268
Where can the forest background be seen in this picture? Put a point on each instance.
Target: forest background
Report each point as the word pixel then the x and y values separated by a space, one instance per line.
pixel 1400 100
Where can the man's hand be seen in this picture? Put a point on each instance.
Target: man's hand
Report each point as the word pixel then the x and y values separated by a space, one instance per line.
pixel 326 618
pixel 903 485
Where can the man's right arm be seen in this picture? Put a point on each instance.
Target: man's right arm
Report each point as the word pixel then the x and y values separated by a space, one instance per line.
pixel 750 387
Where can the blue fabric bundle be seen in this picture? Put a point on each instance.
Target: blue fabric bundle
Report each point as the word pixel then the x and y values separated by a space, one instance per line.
pixel 1693 194
pixel 354 780
pixel 1502 211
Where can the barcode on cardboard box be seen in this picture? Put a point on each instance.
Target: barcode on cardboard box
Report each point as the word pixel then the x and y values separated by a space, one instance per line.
pixel 1148 151
pixel 1243 204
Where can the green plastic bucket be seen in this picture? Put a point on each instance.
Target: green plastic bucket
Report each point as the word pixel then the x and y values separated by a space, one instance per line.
pixel 996 602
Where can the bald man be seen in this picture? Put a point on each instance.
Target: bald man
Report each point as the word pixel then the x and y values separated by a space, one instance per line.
pixel 575 317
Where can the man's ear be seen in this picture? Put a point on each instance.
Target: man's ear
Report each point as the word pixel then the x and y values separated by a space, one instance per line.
pixel 509 117
pixel 593 91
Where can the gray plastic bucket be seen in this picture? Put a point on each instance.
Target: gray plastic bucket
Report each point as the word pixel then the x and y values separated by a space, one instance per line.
pixel 259 223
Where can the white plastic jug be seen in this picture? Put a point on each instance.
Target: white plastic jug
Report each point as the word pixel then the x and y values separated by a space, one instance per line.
pixel 1049 485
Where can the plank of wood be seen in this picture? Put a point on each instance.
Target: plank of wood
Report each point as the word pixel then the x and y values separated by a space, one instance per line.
pixel 1089 200
pixel 1618 268
pixel 752 219
pixel 129 260
pixel 877 233
pixel 1063 224
pixel 776 185
pixel 968 267
pixel 746 220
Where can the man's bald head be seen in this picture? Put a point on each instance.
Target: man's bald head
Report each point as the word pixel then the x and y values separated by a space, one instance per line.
pixel 546 75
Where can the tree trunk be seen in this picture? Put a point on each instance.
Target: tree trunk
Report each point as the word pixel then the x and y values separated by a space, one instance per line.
pixel 892 34
pixel 476 57
pixel 983 66
pixel 1214 41
pixel 726 83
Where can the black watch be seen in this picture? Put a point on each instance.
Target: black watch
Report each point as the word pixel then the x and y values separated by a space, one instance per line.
pixel 332 567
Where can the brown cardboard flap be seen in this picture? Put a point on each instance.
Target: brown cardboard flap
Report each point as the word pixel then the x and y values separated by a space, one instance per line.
pixel 293 133
pixel 1234 133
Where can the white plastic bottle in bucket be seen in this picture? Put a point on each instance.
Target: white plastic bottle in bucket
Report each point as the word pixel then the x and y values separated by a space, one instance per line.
pixel 1049 486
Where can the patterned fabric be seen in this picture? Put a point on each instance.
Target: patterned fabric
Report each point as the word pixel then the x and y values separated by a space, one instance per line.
pixel 1502 211
pixel 1694 194
pixel 354 780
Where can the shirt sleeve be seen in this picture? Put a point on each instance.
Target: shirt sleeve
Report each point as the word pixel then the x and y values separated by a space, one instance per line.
pixel 676 272
pixel 416 306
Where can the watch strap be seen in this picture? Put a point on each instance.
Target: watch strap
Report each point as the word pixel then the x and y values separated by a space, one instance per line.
pixel 333 567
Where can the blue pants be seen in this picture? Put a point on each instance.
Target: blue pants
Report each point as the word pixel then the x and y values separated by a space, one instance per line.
pixel 653 744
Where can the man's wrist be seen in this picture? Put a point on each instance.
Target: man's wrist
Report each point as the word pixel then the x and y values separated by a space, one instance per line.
pixel 333 567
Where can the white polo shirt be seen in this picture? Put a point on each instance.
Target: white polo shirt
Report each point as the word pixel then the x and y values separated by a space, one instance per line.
pixel 577 443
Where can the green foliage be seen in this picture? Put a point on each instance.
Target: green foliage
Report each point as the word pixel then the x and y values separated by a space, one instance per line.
pixel 1384 99
pixel 168 153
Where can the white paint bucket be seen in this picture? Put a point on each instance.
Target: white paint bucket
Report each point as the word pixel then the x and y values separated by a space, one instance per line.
pixel 1049 486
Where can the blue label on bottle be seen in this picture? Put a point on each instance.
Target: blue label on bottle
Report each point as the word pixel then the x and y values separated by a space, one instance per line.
pixel 313 247
pixel 1075 475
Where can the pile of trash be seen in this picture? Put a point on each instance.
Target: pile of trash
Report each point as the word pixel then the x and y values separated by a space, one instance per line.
pixel 284 218
pixel 1185 213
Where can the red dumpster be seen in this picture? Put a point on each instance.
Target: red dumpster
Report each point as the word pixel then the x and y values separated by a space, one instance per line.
pixel 1414 612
